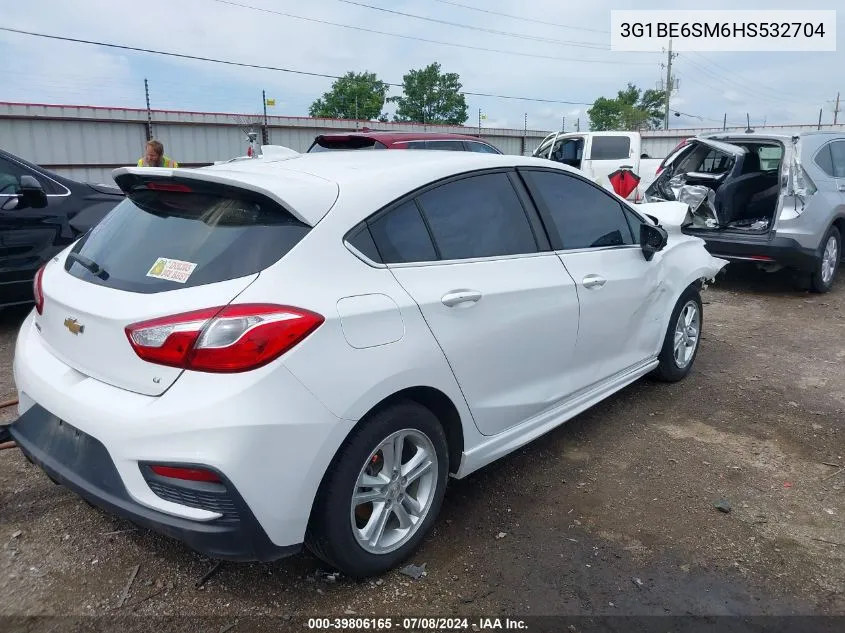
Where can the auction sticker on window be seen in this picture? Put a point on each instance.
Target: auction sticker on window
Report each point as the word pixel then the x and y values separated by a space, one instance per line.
pixel 172 270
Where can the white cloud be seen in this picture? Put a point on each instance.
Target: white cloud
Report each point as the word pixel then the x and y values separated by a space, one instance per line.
pixel 771 86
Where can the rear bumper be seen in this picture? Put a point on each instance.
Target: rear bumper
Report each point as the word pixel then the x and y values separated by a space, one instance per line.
pixel 81 463
pixel 267 435
pixel 781 250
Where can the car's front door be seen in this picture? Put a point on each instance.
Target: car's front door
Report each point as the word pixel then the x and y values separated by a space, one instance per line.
pixel 498 301
pixel 27 235
pixel 597 239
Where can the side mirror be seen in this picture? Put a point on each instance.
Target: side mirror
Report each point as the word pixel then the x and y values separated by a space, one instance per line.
pixel 652 239
pixel 32 194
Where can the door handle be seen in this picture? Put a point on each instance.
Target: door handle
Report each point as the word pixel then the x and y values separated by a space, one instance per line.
pixel 593 281
pixel 457 297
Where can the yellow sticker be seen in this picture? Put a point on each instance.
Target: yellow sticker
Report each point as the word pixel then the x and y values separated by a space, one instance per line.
pixel 171 269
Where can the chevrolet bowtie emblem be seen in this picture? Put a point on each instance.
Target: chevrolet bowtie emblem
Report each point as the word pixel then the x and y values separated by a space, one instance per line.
pixel 74 326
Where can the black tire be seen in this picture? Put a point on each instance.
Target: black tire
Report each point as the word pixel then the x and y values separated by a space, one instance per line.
pixel 669 370
pixel 330 535
pixel 817 283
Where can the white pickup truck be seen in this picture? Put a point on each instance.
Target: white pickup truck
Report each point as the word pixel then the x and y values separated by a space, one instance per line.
pixel 600 154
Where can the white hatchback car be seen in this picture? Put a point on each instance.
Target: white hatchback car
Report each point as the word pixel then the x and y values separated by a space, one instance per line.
pixel 261 354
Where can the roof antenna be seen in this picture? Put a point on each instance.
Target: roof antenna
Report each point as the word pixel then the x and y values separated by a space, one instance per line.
pixel 748 129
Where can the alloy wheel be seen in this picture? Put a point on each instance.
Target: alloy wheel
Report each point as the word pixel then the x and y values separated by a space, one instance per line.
pixel 394 491
pixel 687 331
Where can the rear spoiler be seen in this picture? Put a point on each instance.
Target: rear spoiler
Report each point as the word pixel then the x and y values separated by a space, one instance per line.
pixel 308 198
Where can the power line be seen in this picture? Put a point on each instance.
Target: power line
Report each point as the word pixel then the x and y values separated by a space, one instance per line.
pixel 277 68
pixel 428 41
pixel 736 85
pixel 748 82
pixel 479 28
pixel 262 67
pixel 521 18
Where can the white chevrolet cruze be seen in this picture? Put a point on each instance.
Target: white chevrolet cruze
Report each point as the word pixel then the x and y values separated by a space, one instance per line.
pixel 256 355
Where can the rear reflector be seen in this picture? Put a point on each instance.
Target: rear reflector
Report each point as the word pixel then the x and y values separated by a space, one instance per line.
pixel 187 474
pixel 226 339
pixel 761 258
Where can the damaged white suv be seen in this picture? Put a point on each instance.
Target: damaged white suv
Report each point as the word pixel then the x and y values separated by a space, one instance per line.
pixel 778 201
pixel 261 354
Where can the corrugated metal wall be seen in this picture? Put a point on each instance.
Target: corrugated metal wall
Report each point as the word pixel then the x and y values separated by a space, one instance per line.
pixel 87 143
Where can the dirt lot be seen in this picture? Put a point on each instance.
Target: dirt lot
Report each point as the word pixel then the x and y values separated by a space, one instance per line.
pixel 611 514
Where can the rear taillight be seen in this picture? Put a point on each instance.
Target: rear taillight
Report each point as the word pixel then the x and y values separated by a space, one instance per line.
pixel 225 339
pixel 659 169
pixel 38 290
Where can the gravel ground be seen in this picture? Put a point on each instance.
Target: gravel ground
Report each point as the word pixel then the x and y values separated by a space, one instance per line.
pixel 611 514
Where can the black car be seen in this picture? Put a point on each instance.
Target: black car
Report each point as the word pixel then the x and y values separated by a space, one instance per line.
pixel 40 214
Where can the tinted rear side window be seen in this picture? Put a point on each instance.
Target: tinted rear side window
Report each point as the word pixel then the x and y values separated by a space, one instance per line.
pixel 450 146
pixel 480 216
pixel 582 214
pixel 401 236
pixel 610 147
pixel 481 148
pixel 837 152
pixel 824 159
pixel 222 235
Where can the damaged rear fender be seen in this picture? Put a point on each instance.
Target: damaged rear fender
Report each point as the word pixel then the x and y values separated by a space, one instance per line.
pixel 690 263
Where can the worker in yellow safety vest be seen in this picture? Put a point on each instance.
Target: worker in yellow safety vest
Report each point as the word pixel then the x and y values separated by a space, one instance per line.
pixel 154 156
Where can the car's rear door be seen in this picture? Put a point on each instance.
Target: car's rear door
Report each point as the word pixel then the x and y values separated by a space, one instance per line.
pixel 472 254
pixel 597 239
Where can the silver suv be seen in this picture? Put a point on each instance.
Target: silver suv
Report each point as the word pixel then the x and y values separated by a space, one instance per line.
pixel 775 200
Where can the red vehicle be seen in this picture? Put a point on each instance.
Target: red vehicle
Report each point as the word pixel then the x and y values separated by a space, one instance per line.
pixel 400 140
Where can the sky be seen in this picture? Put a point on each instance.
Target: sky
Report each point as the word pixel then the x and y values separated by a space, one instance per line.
pixel 558 50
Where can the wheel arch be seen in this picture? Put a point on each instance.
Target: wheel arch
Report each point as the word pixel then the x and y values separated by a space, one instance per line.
pixel 431 398
pixel 443 409
pixel 839 223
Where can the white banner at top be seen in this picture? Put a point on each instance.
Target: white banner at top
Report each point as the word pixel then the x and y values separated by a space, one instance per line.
pixel 723 30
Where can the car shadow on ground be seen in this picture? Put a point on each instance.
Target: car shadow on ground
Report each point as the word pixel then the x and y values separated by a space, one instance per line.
pixel 748 278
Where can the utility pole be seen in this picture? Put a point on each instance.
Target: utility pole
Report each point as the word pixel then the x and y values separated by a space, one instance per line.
pixel 563 124
pixel 356 110
pixel 668 87
pixel 149 112
pixel 524 134
pixel 479 121
pixel 725 122
pixel 264 136
pixel 821 110
pixel 836 109
pixel 578 124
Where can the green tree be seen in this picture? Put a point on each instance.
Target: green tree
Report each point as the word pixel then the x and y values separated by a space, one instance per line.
pixel 353 96
pixel 632 109
pixel 430 96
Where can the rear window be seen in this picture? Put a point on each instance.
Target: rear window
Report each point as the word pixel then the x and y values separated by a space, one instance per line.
pixel 155 241
pixel 341 143
pixel 610 147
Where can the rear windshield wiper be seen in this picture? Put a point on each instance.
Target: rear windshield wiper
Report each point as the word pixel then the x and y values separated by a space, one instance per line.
pixel 90 265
